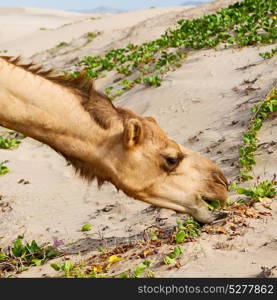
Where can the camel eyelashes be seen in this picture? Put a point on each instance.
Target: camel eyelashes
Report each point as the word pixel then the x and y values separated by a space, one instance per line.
pixel 172 162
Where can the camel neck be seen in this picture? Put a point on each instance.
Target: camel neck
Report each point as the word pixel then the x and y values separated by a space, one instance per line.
pixel 52 113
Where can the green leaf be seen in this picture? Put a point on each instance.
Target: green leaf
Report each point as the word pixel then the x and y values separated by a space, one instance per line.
pixel 56 267
pixel 214 204
pixel 67 266
pixel 51 252
pixel 37 262
pixel 33 248
pixel 177 251
pixel 3 169
pixel 233 186
pixel 243 191
pixel 153 234
pixel 86 227
pixel 228 202
pixel 168 260
pixel 2 255
pixel 18 249
pixel 180 236
pixel 241 201
pixel 180 224
pixel 141 267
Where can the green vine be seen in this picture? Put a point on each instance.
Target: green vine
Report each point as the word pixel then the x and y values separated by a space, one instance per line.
pixel 249 22
pixel 247 160
pixel 247 151
pixel 268 54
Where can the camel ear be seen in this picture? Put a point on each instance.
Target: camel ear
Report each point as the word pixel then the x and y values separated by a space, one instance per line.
pixel 133 133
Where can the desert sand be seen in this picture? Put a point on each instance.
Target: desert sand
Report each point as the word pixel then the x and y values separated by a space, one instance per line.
pixel 16 23
pixel 195 105
pixel 68 27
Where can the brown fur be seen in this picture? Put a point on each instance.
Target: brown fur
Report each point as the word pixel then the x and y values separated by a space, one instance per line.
pixel 97 104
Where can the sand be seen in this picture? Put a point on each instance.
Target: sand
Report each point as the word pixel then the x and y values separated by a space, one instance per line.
pixel 16 24
pixel 70 27
pixel 200 99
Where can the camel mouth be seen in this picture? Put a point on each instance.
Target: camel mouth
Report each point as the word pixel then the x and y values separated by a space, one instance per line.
pixel 212 204
pixel 216 209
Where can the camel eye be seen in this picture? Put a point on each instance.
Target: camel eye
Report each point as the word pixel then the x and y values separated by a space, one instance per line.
pixel 172 161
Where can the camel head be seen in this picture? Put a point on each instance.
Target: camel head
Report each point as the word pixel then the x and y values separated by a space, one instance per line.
pixel 106 142
pixel 153 168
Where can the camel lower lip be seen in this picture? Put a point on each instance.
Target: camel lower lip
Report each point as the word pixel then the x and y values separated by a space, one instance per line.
pixel 220 215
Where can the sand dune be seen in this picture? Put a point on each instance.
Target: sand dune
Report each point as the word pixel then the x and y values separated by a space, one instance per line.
pixel 17 22
pixel 35 40
pixel 199 99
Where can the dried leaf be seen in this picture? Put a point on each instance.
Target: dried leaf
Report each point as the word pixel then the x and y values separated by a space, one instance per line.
pixel 266 202
pixel 98 269
pixel 178 265
pixel 147 252
pixel 251 213
pixel 113 259
pixel 264 213
pixel 221 230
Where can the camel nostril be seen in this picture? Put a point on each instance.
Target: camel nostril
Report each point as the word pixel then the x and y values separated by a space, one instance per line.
pixel 221 179
pixel 226 183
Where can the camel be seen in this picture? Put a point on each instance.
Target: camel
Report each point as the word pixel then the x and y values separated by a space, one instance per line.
pixel 108 143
